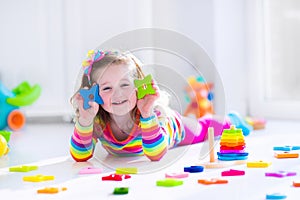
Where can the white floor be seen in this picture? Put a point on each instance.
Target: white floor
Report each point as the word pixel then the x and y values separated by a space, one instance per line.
pixel 47 145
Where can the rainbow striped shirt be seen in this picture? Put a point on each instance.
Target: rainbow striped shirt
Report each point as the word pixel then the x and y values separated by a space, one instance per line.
pixel 152 137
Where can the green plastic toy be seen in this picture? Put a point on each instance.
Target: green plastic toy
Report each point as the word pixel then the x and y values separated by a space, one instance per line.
pixel 144 86
pixel 25 94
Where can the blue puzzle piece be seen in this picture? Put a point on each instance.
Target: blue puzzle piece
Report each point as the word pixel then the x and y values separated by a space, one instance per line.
pixel 194 169
pixel 276 196
pixel 286 148
pixel 91 94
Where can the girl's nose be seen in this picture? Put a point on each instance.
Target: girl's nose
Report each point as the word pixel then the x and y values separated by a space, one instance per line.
pixel 117 93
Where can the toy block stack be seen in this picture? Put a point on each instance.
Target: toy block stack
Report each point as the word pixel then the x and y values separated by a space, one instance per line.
pixel 232 145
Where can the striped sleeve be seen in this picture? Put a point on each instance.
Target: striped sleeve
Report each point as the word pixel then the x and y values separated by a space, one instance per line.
pixel 154 138
pixel 82 143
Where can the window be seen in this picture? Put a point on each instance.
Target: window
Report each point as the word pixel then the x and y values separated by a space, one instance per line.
pixel 274 58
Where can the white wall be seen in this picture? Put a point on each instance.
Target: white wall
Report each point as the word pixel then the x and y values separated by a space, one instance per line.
pixel 219 28
pixel 45 41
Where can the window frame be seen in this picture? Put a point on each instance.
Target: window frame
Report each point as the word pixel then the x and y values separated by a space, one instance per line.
pixel 257 68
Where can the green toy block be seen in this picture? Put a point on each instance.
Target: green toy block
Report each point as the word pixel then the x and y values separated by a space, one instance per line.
pixel 144 86
pixel 126 170
pixel 121 190
pixel 23 168
pixel 169 182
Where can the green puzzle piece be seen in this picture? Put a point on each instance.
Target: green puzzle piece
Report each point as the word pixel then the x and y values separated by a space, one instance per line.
pixel 121 190
pixel 144 86
pixel 169 182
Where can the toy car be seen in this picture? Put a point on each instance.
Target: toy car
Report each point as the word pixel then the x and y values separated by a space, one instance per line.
pixel 11 101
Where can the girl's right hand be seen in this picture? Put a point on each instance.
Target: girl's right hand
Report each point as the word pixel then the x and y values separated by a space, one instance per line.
pixel 86 117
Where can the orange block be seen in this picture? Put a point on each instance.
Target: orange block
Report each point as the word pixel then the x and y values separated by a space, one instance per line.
pixel 50 190
pixel 286 155
pixel 296 183
pixel 212 181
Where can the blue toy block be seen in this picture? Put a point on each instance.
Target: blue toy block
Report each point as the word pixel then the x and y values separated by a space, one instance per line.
pixel 276 196
pixel 91 94
pixel 194 169
pixel 286 148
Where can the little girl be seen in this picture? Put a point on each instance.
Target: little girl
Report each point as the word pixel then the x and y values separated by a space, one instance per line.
pixel 124 124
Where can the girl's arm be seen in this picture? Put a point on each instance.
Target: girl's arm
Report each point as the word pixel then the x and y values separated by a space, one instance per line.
pixel 82 143
pixel 154 138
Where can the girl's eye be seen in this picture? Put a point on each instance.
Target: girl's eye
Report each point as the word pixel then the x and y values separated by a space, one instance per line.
pixel 106 88
pixel 124 85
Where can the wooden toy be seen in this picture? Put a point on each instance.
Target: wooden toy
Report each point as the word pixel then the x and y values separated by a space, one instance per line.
pixel 233 172
pixel 116 177
pixel 232 145
pixel 212 181
pixel 91 94
pixel 286 148
pixel 128 170
pixel 194 169
pixel 23 168
pixel 177 175
pixel 169 182
pixel 90 170
pixel 38 178
pixel 144 86
pixel 121 190
pixel 219 164
pixel 258 164
pixel 296 183
pixel 286 155
pixel 280 174
pixel 276 196
pixel 50 190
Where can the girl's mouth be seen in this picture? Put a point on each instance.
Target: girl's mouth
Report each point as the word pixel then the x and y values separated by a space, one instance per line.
pixel 119 102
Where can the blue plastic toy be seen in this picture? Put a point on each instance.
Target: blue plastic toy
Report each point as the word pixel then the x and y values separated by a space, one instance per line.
pixel 91 94
pixel 10 101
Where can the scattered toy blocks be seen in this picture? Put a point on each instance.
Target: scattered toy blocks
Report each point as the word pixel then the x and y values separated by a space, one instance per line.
pixel 194 169
pixel 90 170
pixel 296 183
pixel 38 178
pixel 233 172
pixel 177 175
pixel 280 174
pixel 276 196
pixel 258 164
pixel 116 177
pixel 50 190
pixel 128 170
pixel 121 190
pixel 23 168
pixel 286 155
pixel 212 181
pixel 286 148
pixel 169 182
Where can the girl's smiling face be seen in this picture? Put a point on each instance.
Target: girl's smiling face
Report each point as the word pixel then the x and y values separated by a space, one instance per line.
pixel 116 88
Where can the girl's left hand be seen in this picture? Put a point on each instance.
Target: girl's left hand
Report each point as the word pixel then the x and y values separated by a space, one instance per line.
pixel 145 105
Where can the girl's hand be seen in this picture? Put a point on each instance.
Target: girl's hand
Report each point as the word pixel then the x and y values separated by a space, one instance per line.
pixel 86 117
pixel 145 105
